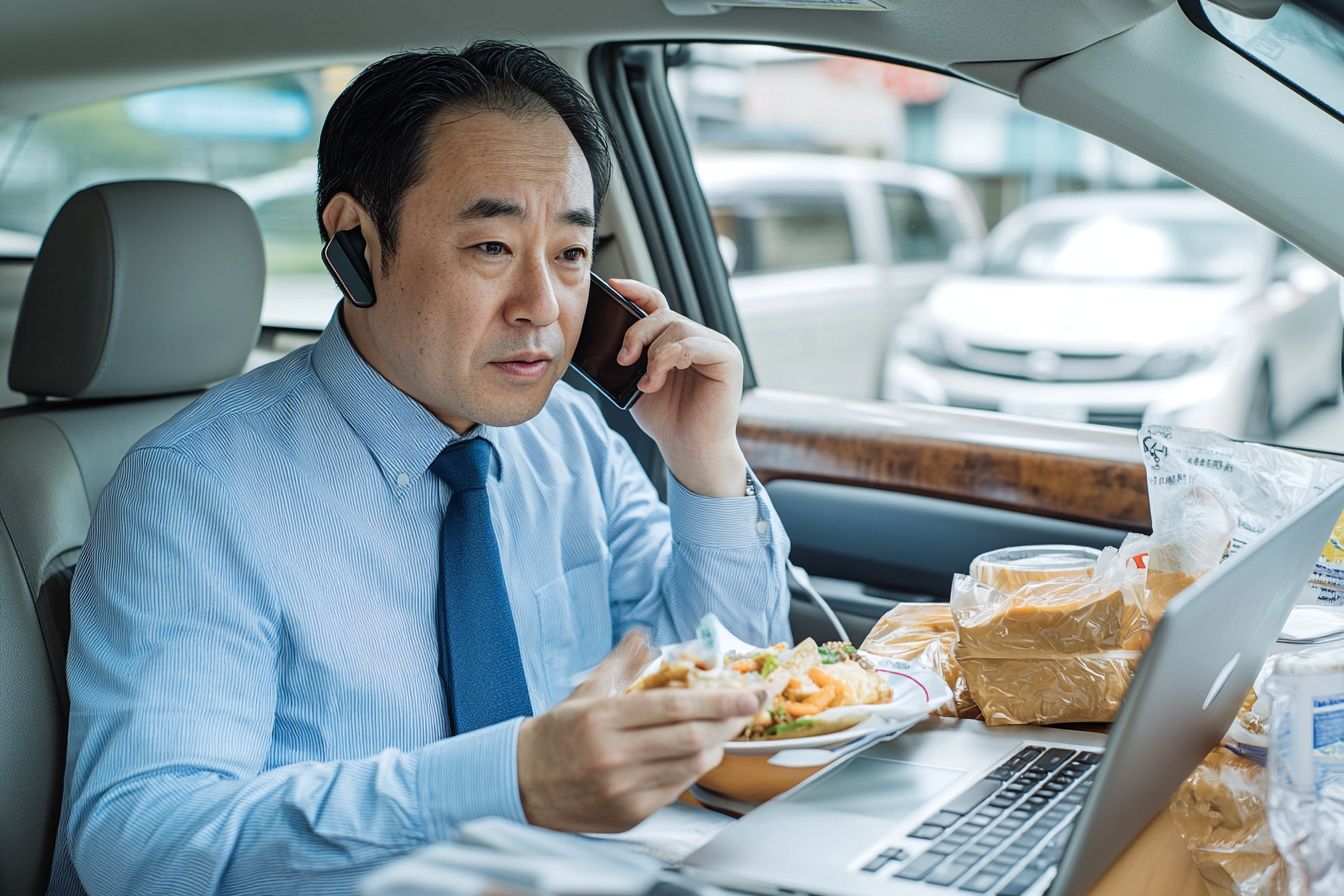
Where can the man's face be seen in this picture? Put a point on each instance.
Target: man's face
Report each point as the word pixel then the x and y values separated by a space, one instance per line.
pixel 481 307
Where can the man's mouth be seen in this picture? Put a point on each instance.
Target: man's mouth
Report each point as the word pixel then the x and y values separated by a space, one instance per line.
pixel 529 365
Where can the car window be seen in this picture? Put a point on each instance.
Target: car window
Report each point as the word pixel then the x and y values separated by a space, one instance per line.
pixel 1012 264
pixel 257 136
pixel 914 235
pixel 771 233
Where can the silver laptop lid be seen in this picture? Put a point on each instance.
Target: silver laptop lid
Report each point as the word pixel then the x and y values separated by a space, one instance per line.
pixel 1204 657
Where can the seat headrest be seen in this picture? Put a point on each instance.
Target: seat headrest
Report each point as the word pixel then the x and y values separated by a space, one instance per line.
pixel 140 288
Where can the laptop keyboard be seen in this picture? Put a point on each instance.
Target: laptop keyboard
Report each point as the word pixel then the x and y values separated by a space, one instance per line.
pixel 1004 833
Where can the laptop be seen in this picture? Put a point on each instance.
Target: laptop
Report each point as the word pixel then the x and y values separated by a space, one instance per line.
pixel 956 807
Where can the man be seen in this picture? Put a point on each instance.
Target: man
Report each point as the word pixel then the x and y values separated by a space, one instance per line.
pixel 339 604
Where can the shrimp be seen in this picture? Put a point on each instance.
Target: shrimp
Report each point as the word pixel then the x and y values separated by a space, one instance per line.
pixel 746 665
pixel 824 680
pixel 812 705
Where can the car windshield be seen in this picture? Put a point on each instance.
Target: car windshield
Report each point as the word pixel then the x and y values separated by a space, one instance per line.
pixel 1135 249
pixel 1303 46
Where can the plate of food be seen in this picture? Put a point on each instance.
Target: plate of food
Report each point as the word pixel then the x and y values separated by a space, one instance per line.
pixel 813 695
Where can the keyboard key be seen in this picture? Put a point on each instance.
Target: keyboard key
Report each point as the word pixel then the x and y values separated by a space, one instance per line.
pixel 1089 757
pixel 977 794
pixel 988 812
pixel 926 832
pixel 1019 884
pixel 974 851
pixel 943 819
pixel 1002 802
pixel 1052 759
pixel 980 883
pixel 950 871
pixel 877 864
pixel 920 867
pixel 944 848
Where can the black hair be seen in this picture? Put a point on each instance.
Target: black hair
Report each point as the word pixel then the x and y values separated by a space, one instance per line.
pixel 376 136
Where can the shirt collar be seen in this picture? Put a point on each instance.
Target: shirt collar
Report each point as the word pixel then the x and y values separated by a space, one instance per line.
pixel 403 437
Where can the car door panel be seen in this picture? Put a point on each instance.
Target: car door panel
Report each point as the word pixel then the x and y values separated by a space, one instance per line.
pixel 907 544
pixel 800 328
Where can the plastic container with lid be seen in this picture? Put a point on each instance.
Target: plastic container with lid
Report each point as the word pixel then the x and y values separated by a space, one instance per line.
pixel 1008 569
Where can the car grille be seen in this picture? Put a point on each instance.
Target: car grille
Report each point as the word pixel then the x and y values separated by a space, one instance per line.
pixel 1125 419
pixel 1043 365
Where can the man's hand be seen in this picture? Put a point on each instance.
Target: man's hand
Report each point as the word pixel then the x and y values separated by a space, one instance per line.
pixel 601 763
pixel 693 388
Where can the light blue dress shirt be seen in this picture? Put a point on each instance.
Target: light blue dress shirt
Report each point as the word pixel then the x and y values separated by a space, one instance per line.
pixel 255 698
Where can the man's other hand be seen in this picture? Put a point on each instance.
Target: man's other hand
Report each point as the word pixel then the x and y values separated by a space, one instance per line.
pixel 602 763
pixel 692 391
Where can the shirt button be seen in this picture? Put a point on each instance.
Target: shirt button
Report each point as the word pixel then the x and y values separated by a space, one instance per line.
pixel 762 527
pixel 403 480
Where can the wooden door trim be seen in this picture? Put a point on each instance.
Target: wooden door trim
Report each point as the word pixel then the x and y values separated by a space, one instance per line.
pixel 1087 474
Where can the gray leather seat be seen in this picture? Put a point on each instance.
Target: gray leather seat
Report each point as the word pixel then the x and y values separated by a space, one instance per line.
pixel 144 293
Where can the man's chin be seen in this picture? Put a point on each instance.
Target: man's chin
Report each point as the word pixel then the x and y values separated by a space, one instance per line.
pixel 511 409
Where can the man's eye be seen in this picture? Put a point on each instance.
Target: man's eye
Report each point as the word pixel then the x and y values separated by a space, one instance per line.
pixel 493 248
pixel 578 253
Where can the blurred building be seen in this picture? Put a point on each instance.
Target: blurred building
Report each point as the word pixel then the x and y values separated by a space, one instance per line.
pixel 755 97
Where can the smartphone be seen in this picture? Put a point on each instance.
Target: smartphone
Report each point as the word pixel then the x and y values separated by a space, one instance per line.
pixel 609 315
pixel 344 257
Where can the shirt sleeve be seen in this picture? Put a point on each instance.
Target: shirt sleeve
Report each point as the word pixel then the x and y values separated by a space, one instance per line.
pixel 174 660
pixel 673 563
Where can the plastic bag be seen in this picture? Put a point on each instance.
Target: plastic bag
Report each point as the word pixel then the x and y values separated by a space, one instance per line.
pixel 1306 767
pixel 1054 651
pixel 1210 496
pixel 924 634
pixel 1220 812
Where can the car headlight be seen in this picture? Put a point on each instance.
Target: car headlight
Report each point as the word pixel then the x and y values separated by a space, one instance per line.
pixel 1171 364
pixel 923 341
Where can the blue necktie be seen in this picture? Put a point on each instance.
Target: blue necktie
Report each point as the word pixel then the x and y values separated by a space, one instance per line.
pixel 479 659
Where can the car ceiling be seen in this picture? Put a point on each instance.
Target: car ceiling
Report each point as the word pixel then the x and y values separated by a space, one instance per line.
pixel 57 53
pixel 1135 72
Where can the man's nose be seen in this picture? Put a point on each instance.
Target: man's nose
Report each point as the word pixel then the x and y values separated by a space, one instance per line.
pixel 534 300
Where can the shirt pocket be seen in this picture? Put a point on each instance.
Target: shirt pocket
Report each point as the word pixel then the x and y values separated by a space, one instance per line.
pixel 574 612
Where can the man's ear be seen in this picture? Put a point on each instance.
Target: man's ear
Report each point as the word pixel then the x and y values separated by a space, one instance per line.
pixel 344 212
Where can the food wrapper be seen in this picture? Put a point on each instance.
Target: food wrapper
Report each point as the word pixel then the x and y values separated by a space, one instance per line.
pixel 1326 585
pixel 924 634
pixel 1211 496
pixel 1054 651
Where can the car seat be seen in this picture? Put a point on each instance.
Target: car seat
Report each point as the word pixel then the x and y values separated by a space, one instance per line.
pixel 143 294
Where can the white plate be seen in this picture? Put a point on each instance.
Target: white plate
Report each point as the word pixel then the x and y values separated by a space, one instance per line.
pixel 915 692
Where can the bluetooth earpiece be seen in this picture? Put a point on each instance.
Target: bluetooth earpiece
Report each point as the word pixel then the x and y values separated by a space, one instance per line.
pixel 344 258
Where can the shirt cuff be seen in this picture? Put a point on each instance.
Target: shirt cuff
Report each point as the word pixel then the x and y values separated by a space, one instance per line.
pixel 718 522
pixel 472 775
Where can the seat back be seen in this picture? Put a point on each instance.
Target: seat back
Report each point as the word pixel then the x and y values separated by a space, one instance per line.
pixel 143 294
